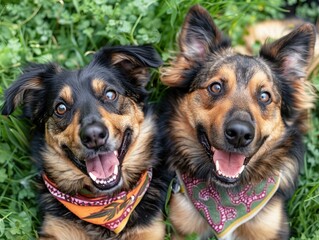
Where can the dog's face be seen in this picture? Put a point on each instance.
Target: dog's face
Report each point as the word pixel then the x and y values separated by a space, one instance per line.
pixel 93 122
pixel 232 113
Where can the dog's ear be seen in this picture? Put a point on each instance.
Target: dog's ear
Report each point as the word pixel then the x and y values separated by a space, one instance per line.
pixel 293 52
pixel 289 58
pixel 29 91
pixel 199 37
pixel 132 61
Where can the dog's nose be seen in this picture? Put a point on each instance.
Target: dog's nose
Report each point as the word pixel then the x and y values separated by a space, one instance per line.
pixel 94 135
pixel 239 133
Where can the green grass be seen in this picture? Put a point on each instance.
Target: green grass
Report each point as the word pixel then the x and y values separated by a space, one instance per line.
pixel 68 32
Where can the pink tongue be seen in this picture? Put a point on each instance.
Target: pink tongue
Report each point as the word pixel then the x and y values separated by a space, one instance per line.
pixel 229 163
pixel 102 166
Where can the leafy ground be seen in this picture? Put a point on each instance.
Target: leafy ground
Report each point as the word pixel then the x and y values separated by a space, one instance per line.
pixel 68 32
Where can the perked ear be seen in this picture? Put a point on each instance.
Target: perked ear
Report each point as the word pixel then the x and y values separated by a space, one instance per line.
pixel 28 91
pixel 293 52
pixel 198 38
pixel 133 61
pixel 290 57
pixel 200 35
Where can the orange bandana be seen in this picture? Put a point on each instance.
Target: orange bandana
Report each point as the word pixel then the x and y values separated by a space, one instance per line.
pixel 109 212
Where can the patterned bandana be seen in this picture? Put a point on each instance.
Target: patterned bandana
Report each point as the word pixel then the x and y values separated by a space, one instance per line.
pixel 109 212
pixel 227 208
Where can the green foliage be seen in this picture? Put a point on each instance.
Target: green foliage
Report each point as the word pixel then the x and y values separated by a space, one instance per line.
pixel 68 32
pixel 17 199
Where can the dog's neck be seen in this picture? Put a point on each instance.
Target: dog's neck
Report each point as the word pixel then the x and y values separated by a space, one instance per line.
pixel 227 208
pixel 109 212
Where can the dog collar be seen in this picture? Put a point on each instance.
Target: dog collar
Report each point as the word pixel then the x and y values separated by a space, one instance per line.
pixel 227 208
pixel 109 212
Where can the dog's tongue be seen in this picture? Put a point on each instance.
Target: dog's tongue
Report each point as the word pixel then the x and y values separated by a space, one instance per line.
pixel 229 164
pixel 102 166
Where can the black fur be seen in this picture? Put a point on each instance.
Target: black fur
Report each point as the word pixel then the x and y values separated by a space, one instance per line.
pixel 36 90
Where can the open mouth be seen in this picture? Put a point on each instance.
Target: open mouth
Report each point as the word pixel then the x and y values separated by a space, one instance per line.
pixel 228 165
pixel 104 168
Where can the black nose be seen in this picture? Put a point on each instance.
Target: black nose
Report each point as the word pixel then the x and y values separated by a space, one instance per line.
pixel 94 135
pixel 239 133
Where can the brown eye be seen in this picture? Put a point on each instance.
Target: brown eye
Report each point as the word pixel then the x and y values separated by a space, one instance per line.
pixel 60 109
pixel 110 95
pixel 264 97
pixel 215 88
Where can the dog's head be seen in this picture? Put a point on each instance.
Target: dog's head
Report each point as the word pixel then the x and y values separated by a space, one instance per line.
pixel 235 117
pixel 92 120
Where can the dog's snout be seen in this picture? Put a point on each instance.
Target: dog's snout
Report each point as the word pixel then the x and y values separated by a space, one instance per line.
pixel 94 135
pixel 239 133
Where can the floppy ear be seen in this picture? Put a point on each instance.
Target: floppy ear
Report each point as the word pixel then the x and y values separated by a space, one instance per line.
pixel 29 91
pixel 198 38
pixel 290 57
pixel 132 61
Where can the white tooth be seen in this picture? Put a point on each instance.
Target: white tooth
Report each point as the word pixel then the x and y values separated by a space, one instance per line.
pixel 217 165
pixel 241 169
pixel 92 176
pixel 116 170
pixel 116 153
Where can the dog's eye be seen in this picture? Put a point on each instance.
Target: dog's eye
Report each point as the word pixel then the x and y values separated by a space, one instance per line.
pixel 60 109
pixel 215 88
pixel 265 97
pixel 110 95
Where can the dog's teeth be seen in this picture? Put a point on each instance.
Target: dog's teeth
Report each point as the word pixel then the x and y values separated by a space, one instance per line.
pixel 217 166
pixel 92 176
pixel 116 153
pixel 116 170
pixel 241 169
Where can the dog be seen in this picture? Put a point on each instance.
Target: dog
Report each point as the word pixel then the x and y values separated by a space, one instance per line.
pixel 93 145
pixel 232 129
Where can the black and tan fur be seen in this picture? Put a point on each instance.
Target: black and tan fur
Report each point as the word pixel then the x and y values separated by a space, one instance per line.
pixel 79 114
pixel 265 99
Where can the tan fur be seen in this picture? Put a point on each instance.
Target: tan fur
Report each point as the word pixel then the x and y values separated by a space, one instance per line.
pixel 136 160
pixel 92 139
pixel 66 94
pixel 62 229
pixel 118 57
pixel 98 86
pixel 170 76
pixel 265 225
pixel 213 90
pixel 155 231
pixel 33 84
pixel 185 218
